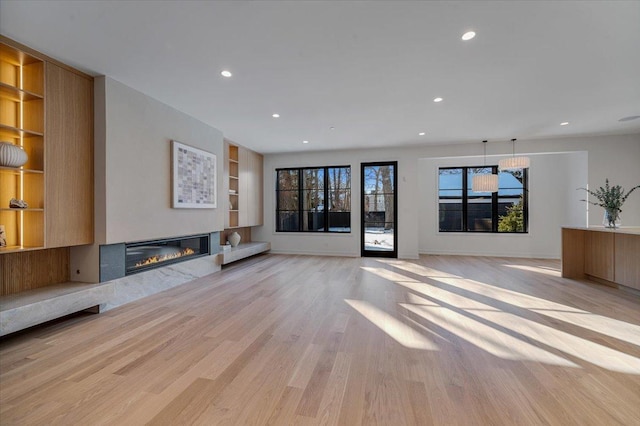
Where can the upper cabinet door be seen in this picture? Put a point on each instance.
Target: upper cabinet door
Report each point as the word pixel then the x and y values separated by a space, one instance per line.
pixel 68 158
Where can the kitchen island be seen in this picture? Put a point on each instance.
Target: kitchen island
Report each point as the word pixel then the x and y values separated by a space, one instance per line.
pixel 607 256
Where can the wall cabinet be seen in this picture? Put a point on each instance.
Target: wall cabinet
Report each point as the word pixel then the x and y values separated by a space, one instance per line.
pixel 47 109
pixel 243 173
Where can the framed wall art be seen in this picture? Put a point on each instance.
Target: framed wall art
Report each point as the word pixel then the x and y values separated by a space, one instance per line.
pixel 194 177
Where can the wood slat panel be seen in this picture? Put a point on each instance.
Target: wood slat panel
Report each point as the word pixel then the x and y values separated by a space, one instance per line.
pixel 573 253
pixel 255 190
pixel 243 186
pixel 69 158
pixel 33 269
pixel 627 260
pixel 599 255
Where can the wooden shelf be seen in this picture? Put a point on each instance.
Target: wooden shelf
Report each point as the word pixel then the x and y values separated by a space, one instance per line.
pixel 14 132
pixel 8 209
pixel 18 170
pixel 14 249
pixel 16 94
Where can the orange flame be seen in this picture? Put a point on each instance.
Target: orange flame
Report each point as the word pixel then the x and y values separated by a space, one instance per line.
pixel 162 258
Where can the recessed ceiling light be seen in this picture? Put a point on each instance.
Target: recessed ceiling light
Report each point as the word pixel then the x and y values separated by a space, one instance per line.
pixel 421 134
pixel 275 115
pixel 468 35
pixel 305 141
pixel 564 123
pixel 332 128
pixel 630 118
pixel 226 73
pixel 438 100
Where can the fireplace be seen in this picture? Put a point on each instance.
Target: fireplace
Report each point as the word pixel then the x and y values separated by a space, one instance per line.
pixel 146 255
pixel 119 260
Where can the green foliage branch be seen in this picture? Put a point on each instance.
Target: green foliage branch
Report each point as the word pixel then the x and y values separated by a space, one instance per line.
pixel 610 197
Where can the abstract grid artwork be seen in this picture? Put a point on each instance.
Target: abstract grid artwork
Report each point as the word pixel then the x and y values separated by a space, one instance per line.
pixel 194 177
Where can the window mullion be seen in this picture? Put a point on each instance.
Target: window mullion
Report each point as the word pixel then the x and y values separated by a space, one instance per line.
pixel 277 200
pixel 300 203
pixel 464 199
pixel 525 199
pixel 494 205
pixel 326 199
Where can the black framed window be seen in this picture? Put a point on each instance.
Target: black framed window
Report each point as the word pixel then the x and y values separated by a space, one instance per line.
pixel 313 199
pixel 462 210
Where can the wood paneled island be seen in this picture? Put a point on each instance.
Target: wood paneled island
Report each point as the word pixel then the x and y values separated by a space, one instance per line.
pixel 603 255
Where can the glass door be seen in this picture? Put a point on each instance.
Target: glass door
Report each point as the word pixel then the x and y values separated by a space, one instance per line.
pixel 379 206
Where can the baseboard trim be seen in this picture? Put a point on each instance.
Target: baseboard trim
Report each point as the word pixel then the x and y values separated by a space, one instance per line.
pixel 491 254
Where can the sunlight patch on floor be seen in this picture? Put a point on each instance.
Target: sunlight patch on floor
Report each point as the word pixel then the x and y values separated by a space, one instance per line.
pixel 567 343
pixel 394 328
pixel 417 269
pixel 389 275
pixel 485 337
pixel 601 324
pixel 545 271
pixel 505 345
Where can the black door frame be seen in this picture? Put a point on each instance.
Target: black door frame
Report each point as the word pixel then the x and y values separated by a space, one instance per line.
pixel 374 253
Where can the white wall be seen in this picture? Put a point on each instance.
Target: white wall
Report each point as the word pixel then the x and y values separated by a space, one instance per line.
pixel 592 159
pixel 553 202
pixel 137 168
pixel 132 161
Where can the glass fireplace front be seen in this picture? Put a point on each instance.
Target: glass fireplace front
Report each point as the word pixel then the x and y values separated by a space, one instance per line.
pixel 145 255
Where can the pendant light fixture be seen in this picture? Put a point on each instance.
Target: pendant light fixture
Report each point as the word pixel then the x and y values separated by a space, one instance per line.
pixel 513 162
pixel 486 182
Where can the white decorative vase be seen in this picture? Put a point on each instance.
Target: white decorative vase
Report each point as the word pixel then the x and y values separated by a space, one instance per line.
pixel 234 239
pixel 12 155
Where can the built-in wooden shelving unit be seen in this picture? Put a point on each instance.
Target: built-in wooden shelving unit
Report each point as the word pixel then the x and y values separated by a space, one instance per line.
pixel 22 122
pixel 234 185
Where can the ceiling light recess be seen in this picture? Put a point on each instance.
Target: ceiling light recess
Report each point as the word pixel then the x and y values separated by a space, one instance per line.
pixel 421 134
pixel 275 115
pixel 468 35
pixel 513 162
pixel 486 182
pixel 564 123
pixel 438 99
pixel 226 73
pixel 305 141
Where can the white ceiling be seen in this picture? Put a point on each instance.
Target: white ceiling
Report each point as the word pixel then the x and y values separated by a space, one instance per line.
pixel 369 69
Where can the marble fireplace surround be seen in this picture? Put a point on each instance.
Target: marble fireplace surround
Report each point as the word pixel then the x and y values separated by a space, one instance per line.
pixel 30 308
pixel 127 288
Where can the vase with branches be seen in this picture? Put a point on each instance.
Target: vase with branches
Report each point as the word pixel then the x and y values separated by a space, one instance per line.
pixel 611 199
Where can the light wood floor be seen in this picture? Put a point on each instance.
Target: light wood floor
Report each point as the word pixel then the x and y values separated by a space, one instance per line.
pixel 319 340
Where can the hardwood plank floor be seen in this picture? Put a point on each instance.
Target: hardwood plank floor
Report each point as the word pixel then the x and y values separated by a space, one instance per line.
pixel 285 340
